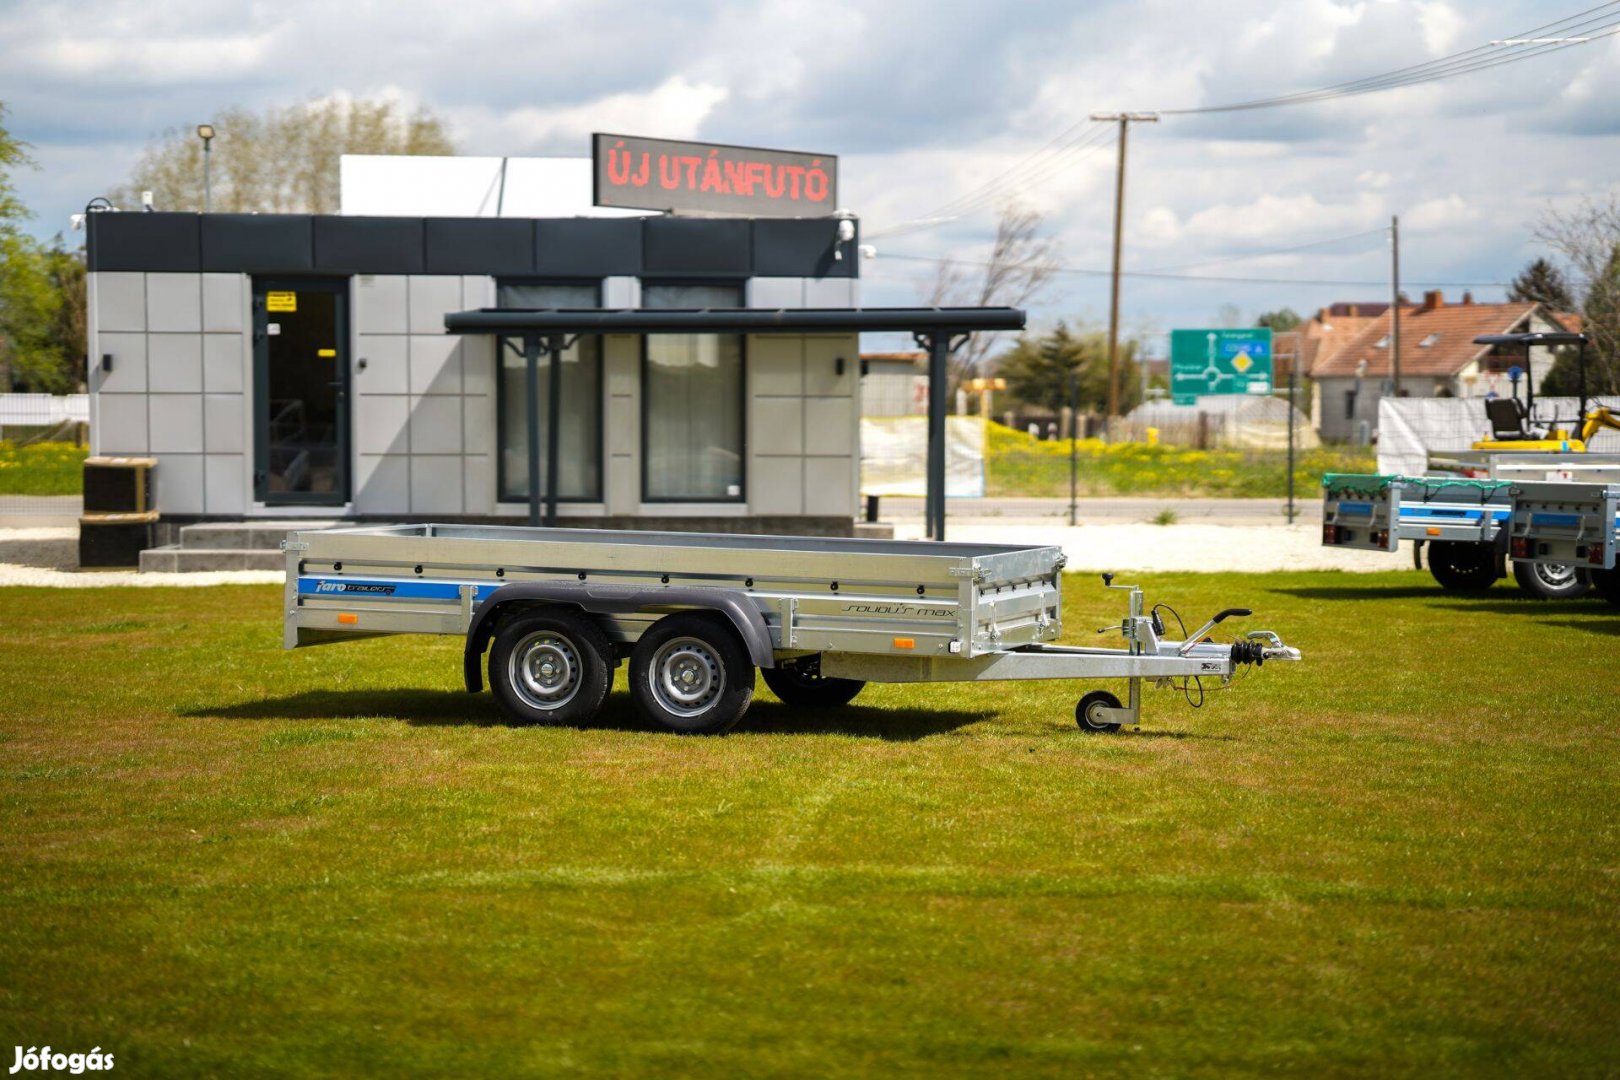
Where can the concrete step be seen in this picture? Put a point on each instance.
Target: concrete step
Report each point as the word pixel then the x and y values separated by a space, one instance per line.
pixel 176 559
pixel 243 535
pixel 874 530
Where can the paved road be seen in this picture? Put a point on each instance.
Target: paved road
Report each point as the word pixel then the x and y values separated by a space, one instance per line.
pixel 40 511
pixel 1111 510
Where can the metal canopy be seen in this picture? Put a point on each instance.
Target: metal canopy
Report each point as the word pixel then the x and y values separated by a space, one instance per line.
pixel 1539 337
pixel 939 330
pixel 928 320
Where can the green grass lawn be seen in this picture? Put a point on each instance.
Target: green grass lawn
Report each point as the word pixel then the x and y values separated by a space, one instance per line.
pixel 1017 464
pixel 1401 857
pixel 47 468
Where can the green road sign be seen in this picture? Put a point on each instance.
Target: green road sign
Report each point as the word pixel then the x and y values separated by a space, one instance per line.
pixel 1204 362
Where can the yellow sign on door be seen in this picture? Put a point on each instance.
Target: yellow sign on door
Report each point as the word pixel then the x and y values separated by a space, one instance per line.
pixel 281 301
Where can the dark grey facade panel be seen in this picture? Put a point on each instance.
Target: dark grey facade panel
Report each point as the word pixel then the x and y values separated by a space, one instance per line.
pixel 368 245
pixel 258 243
pixel 158 243
pixel 515 247
pixel 587 247
pixel 952 320
pixel 479 246
pixel 801 248
pixel 696 247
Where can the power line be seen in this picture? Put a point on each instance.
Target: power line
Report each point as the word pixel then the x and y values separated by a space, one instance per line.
pixel 1479 58
pixel 1525 45
pixel 1157 275
pixel 1273 251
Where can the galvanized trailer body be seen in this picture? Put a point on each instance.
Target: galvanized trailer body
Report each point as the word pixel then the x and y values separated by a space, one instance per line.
pixel 1567 524
pixel 1376 513
pixel 872 610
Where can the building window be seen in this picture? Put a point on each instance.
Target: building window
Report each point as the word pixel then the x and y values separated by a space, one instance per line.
pixel 692 403
pixel 579 435
pixel 1349 404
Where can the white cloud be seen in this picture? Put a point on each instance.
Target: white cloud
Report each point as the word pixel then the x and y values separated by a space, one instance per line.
pixel 1442 26
pixel 674 109
pixel 1446 212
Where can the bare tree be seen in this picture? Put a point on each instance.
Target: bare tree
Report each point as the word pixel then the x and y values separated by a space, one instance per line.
pixel 281 160
pixel 1587 235
pixel 1020 266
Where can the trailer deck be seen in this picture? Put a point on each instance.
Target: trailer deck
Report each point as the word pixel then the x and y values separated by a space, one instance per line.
pixel 818 616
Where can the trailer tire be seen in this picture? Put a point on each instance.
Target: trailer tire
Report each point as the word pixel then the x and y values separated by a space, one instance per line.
pixel 1550 581
pixel 1607 583
pixel 1097 699
pixel 1462 567
pixel 691 675
pixel 806 690
pixel 550 666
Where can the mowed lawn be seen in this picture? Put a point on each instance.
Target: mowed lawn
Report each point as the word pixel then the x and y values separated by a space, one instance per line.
pixel 1401 857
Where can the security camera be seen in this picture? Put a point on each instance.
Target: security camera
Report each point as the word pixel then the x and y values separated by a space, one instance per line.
pixel 846 231
pixel 868 251
pixel 77 221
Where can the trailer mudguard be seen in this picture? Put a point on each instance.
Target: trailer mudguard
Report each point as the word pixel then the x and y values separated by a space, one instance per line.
pixel 616 600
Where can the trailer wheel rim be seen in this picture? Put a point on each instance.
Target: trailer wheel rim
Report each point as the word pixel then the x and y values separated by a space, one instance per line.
pixel 545 670
pixel 686 676
pixel 1554 575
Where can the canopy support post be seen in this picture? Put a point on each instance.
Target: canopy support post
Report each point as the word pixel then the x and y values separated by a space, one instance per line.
pixel 940 345
pixel 531 396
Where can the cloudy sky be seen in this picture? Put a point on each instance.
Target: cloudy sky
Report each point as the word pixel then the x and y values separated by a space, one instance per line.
pixel 924 102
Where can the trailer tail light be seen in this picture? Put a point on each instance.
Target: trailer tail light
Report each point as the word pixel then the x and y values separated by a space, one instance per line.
pixel 1380 538
pixel 1522 548
pixel 1594 555
pixel 348 618
pixel 1433 530
pixel 1330 534
pixel 905 643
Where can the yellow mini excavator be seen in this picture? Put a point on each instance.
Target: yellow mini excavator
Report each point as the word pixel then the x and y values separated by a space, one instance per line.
pixel 1513 426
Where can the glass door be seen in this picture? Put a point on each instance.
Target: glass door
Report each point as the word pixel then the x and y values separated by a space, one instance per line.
pixel 301 392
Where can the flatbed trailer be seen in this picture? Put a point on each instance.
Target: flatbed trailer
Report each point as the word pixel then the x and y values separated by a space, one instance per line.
pixel 695 614
pixel 1461 521
pixel 1569 523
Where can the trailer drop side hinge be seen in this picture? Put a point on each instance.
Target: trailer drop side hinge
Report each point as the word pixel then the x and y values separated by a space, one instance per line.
pixel 294 545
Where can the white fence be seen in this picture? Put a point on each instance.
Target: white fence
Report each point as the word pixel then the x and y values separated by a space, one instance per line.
pixel 1410 428
pixel 43 410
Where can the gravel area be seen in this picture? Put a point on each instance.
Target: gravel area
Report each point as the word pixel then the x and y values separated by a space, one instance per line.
pixel 50 557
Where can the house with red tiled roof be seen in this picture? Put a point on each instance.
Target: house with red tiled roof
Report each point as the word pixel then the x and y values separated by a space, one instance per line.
pixel 1438 358
pixel 1331 329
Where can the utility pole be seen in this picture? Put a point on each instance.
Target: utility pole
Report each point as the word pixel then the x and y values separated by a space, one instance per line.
pixel 1123 119
pixel 1395 305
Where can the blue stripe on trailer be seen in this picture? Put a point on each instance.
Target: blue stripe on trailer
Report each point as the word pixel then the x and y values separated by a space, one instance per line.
pixel 1359 509
pixel 1555 519
pixel 361 588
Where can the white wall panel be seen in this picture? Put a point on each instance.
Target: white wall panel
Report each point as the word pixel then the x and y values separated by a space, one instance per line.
pixel 829 485
pixel 435 365
pixel 478 364
pixel 380 305
pixel 224 303
pixel 431 298
pixel 120 301
pixel 387 358
pixel 128 374
pixel 830 426
pixel 776 426
pixel 436 484
pixel 621 292
pixel 435 425
pixel 226 362
pixel 174 363
pixel 177 426
pixel 478 424
pixel 224 483
pixel 174 303
pixel 478 484
pixel 382 484
pixel 775 485
pixel 121 424
pixel 775 365
pixel 770 292
pixel 224 424
pixel 380 424
pixel 829 292
pixel 178 483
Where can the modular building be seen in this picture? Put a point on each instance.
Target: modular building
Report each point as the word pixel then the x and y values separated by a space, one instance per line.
pixel 298 366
